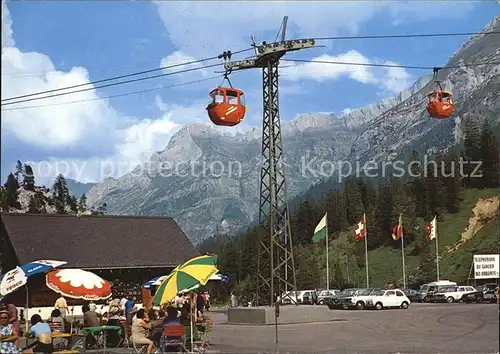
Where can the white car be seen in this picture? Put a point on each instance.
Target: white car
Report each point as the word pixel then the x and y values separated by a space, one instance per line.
pixel 452 294
pixel 394 298
pixel 358 300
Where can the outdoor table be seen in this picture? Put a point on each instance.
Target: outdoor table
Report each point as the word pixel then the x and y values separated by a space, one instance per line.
pixel 53 335
pixel 100 333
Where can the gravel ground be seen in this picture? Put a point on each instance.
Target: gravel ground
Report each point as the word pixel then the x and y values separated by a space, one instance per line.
pixel 421 329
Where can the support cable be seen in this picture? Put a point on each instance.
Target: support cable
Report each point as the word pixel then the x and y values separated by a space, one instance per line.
pixel 123 76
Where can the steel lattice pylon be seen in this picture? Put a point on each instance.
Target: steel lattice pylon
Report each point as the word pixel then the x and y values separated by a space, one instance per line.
pixel 275 263
pixel 276 270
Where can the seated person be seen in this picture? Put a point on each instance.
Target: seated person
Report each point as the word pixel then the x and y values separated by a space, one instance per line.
pixel 157 330
pixel 42 333
pixel 170 320
pixel 113 337
pixel 56 321
pixel 90 318
pixel 8 333
pixel 140 331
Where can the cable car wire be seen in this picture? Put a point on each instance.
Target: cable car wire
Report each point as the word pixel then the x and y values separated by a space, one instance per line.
pixel 390 65
pixel 395 36
pixel 118 95
pixel 121 76
pixel 417 35
pixel 237 52
pixel 113 84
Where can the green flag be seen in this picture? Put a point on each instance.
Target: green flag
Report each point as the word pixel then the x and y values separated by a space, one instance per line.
pixel 320 231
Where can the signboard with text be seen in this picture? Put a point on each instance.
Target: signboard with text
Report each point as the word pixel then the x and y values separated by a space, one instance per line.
pixel 486 266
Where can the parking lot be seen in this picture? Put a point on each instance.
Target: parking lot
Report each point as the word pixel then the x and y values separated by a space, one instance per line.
pixel 423 328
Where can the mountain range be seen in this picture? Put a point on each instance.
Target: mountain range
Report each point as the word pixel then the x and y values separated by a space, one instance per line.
pixel 209 181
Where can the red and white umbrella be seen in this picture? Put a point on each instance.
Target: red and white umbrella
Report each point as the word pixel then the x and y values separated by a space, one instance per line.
pixel 78 284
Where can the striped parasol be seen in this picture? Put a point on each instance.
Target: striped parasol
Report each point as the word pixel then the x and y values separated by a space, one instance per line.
pixel 196 271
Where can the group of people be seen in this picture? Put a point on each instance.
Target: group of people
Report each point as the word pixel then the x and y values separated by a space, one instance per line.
pixel 148 326
pixel 10 331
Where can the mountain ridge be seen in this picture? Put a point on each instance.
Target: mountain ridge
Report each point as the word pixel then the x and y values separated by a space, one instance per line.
pixel 224 201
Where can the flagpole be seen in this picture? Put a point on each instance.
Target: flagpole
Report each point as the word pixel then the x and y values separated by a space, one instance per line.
pixel 366 251
pixel 437 247
pixel 327 267
pixel 403 251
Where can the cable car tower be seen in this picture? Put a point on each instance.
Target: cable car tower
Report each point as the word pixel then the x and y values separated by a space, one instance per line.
pixel 275 264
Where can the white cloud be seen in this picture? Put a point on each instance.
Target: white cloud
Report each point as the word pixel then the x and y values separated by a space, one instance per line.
pixel 392 79
pixel 204 28
pixel 7 39
pixel 212 27
pixel 100 135
pixel 177 58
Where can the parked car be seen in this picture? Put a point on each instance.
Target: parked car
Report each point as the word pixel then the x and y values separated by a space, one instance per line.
pixel 358 300
pixel 427 290
pixel 326 294
pixel 413 295
pixel 336 302
pixel 483 293
pixel 451 294
pixel 388 299
pixel 310 297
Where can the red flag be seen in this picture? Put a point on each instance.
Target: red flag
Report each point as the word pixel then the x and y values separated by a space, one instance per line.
pixel 430 230
pixel 397 231
pixel 360 230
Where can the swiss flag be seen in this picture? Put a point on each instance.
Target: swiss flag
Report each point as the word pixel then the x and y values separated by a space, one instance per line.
pixel 360 230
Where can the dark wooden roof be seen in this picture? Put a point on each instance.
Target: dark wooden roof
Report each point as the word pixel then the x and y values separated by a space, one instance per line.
pixel 93 242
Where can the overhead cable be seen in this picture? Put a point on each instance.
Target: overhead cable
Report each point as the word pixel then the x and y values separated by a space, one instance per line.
pixel 394 36
pixel 122 76
pixel 390 65
pixel 390 36
pixel 114 96
pixel 113 84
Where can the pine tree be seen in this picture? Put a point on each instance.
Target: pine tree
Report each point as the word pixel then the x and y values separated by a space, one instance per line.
pixel 3 199
pixel 73 204
pixel 19 172
pixel 307 219
pixel 380 227
pixel 12 193
pixel 61 194
pixel 29 178
pixel 490 158
pixel 82 203
pixel 451 181
pixel 472 152
pixel 33 206
pixel 435 193
pixel 334 206
pixel 353 201
pixel 368 194
pixel 338 275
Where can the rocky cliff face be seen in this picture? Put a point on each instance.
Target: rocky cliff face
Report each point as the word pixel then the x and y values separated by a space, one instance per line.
pixel 209 181
pixel 476 92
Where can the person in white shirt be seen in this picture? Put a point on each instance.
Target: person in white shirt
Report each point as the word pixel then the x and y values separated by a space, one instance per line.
pixel 123 302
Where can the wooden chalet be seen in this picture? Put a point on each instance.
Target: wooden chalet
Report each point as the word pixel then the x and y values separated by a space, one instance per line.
pixel 126 250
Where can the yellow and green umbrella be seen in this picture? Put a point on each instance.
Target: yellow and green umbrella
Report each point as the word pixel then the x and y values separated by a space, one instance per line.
pixel 196 271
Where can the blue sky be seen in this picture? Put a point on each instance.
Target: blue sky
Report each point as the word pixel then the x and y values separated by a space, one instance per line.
pixel 47 45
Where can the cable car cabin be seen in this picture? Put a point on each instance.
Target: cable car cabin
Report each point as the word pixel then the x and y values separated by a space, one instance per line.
pixel 440 105
pixel 227 106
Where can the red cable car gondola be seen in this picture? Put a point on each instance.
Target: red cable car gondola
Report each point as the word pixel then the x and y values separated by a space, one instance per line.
pixel 440 105
pixel 227 106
